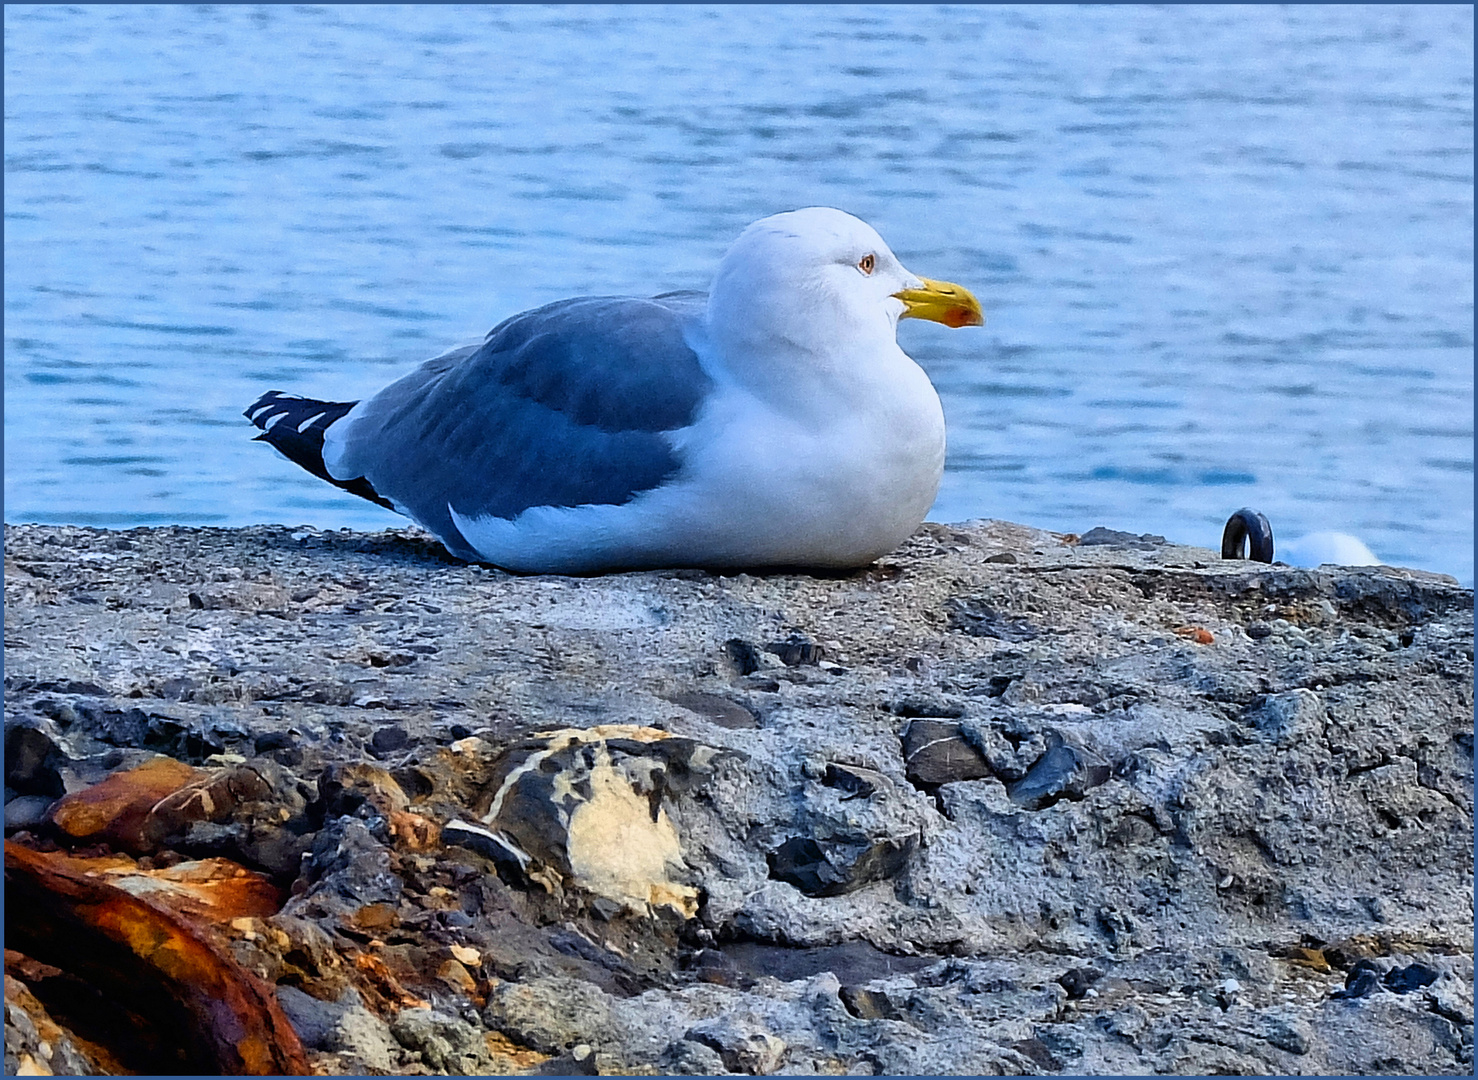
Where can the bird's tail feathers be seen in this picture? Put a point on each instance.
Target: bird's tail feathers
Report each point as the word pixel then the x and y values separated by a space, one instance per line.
pixel 295 426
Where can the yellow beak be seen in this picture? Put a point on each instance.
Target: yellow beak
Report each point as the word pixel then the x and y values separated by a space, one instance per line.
pixel 942 302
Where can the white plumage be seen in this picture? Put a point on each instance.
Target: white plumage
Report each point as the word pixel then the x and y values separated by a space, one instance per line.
pixel 774 422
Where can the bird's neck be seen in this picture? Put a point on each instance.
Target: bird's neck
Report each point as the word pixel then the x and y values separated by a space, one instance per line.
pixel 818 362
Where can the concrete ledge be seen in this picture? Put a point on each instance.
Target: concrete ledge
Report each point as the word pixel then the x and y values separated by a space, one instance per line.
pixel 1003 802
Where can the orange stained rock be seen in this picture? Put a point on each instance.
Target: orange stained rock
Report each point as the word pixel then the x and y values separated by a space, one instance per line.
pixel 117 807
pixel 375 918
pixel 467 955
pixel 414 832
pixel 456 976
pixel 1310 958
pixel 162 963
pixel 518 1057
pixel 20 966
pixel 380 978
pixel 218 890
pixel 215 889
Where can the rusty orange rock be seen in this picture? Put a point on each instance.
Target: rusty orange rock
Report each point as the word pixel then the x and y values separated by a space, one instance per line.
pixel 218 890
pixel 117 808
pixel 20 966
pixel 455 975
pixel 376 918
pixel 1309 958
pixel 512 1055
pixel 137 809
pixel 1199 634
pixel 167 969
pixel 412 832
pixel 378 977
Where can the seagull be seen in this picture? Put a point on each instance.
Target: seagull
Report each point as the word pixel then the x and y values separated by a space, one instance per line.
pixel 770 422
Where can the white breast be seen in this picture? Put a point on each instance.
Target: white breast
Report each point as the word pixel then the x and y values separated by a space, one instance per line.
pixel 835 487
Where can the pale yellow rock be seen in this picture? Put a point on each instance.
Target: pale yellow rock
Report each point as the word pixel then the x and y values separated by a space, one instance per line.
pixel 602 732
pixel 509 1057
pixel 618 851
pixel 467 955
pixel 29 1066
pixel 454 974
pixel 615 847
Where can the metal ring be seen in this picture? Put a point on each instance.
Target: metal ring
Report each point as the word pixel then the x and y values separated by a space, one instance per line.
pixel 1248 525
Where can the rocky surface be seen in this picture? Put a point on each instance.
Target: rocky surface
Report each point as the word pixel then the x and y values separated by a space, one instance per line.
pixel 1005 802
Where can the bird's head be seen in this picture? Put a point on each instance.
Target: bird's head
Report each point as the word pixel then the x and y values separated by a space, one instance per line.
pixel 820 277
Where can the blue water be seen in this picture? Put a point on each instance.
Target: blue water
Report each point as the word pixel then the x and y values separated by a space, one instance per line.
pixel 1225 253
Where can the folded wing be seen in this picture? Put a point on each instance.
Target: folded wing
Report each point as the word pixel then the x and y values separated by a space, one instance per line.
pixel 569 404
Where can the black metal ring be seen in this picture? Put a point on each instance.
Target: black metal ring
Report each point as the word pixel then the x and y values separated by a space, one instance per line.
pixel 1248 525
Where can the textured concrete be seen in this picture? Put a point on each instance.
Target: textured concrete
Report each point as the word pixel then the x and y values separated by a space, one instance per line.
pixel 1004 802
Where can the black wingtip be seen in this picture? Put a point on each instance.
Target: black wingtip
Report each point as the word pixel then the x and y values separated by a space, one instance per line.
pixel 295 426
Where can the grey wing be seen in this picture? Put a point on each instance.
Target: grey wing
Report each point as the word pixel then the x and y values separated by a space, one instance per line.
pixel 564 405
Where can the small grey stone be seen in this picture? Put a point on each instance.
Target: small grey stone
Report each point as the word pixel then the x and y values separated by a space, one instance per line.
pixel 315 1021
pixel 444 1042
pixel 1287 1031
pixel 742 654
pixel 935 752
pixel 868 1004
pixel 1065 771
pixel 1283 717
pixel 551 1014
pixel 580 1060
pixel 1061 1040
pixel 1010 747
pixel 1076 981
pixel 389 739
pixel 1100 535
pixel 34 752
pixel 27 812
pixel 836 867
pixel 742 1044
pixel 796 649
pixel 1403 980
pixel 1362 980
pixel 684 1057
pixel 979 618
pixel 363 1035
pixel 1126 1022
pixel 720 710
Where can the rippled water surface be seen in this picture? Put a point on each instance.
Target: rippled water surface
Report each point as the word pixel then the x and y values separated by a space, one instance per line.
pixel 1226 254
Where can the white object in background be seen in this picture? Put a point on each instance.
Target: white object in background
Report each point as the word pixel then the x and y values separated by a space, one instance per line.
pixel 1339 548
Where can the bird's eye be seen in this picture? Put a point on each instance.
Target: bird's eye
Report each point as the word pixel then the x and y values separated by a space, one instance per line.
pixel 867 263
